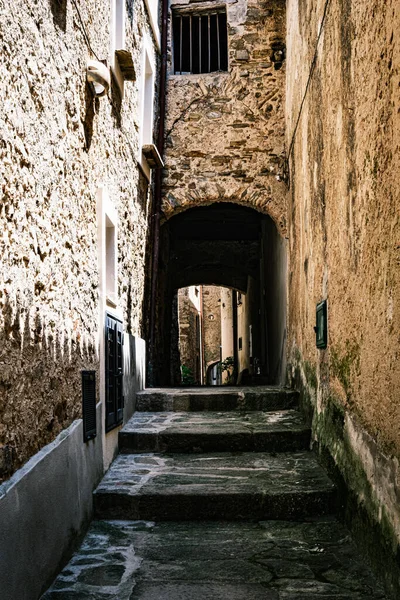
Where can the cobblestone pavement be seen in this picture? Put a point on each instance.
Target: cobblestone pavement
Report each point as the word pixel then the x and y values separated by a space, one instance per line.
pixel 269 560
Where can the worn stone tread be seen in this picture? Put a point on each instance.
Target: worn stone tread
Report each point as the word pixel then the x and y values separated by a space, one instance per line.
pixel 214 486
pixel 269 560
pixel 216 398
pixel 214 431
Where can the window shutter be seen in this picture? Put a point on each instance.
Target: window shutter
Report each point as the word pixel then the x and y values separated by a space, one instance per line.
pixel 114 372
pixel 119 399
pixel 110 370
pixel 89 404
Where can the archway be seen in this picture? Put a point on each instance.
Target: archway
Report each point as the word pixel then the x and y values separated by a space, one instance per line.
pixel 229 245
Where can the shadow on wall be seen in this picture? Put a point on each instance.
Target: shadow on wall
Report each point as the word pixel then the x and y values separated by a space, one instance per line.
pixel 59 12
pixel 116 102
pixel 40 383
pixel 92 106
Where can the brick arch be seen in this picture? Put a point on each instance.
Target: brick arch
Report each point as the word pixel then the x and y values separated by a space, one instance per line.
pixel 270 201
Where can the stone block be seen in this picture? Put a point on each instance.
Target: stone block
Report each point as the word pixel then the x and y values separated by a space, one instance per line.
pixel 242 55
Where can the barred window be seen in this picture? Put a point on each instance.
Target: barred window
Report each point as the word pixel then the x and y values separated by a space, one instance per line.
pixel 200 42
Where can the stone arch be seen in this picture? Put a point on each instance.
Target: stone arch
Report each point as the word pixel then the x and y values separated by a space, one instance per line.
pixel 269 201
pixel 228 245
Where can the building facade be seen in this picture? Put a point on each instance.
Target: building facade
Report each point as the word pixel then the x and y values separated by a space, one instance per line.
pixel 280 182
pixel 342 123
pixel 76 197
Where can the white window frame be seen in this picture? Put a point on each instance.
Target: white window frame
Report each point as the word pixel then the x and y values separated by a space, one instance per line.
pixel 107 217
pixel 108 249
pixel 153 11
pixel 146 110
pixel 117 38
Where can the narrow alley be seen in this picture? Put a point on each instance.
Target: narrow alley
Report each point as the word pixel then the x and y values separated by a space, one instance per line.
pixel 215 495
pixel 200 300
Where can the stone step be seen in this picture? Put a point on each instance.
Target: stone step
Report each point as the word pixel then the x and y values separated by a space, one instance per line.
pixel 281 431
pixel 271 560
pixel 210 486
pixel 221 398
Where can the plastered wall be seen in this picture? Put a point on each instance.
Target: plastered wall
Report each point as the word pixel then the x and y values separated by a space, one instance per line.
pixel 190 311
pixel 344 234
pixel 211 324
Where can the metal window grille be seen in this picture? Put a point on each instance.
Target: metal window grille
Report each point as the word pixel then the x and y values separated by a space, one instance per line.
pixel 200 42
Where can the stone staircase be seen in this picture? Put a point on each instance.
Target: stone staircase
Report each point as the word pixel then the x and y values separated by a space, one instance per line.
pixel 211 455
pixel 215 495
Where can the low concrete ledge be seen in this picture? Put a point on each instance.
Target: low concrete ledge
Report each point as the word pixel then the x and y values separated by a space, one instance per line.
pixel 44 509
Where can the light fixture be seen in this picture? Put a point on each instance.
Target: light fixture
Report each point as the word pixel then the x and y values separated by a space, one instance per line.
pixel 98 76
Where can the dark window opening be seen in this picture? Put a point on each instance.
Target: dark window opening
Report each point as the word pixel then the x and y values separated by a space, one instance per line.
pixel 200 42
pixel 114 364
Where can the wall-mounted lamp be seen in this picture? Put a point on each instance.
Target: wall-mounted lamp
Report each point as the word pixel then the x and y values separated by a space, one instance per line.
pixel 321 327
pixel 98 76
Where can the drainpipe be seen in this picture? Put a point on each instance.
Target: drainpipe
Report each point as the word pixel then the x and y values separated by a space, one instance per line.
pixel 155 225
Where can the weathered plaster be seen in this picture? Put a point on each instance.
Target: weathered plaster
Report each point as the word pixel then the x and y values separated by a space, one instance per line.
pixel 211 324
pixel 344 233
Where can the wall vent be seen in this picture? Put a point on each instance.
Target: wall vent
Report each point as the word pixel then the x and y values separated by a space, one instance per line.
pixel 89 404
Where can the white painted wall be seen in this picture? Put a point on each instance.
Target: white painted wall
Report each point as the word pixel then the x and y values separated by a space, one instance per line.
pixel 117 38
pixel 146 101
pixel 226 326
pixel 44 508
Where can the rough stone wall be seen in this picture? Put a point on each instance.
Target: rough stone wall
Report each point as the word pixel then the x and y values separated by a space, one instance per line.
pixel 58 145
pixel 225 131
pixel 211 324
pixel 188 343
pixel 344 231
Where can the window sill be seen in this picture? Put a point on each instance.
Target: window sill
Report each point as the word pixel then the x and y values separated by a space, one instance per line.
pixel 126 66
pixel 110 301
pixel 152 156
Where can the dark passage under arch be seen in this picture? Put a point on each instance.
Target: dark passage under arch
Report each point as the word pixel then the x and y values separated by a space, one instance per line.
pixel 227 245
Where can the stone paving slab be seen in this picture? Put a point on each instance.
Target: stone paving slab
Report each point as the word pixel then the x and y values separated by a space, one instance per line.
pixel 269 560
pixel 210 486
pixel 216 398
pixel 281 431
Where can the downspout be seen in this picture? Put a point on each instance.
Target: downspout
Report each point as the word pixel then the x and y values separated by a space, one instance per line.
pixel 155 233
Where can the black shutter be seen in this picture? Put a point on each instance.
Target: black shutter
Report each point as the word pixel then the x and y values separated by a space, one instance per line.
pixel 89 404
pixel 110 369
pixel 119 398
pixel 114 372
